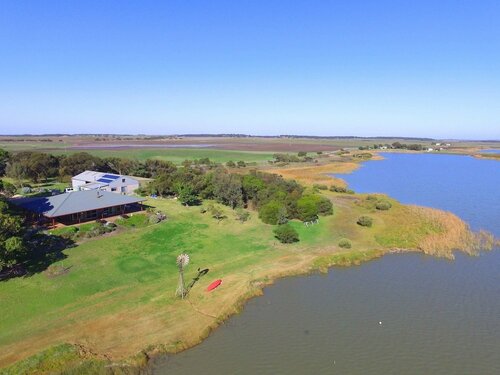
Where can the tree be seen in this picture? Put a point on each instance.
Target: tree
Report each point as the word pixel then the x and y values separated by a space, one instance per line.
pixel 227 188
pixel 252 185
pixel 286 234
pixel 241 164
pixel 82 161
pixel 11 236
pixel 186 195
pixel 302 153
pixel 154 167
pixel 34 166
pixel 4 158
pixel 231 164
pixel 122 165
pixel 310 206
pixel 272 212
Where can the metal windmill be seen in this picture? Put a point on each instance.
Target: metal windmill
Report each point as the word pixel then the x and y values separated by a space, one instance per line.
pixel 182 262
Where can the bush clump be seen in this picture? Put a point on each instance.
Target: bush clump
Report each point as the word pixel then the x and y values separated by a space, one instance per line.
pixel 345 243
pixel 383 205
pixel 242 215
pixel 285 233
pixel 320 187
pixel 98 229
pixel 341 189
pixel 65 232
pixel 365 221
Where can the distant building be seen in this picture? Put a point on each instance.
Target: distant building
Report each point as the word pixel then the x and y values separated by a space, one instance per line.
pixel 114 183
pixel 78 206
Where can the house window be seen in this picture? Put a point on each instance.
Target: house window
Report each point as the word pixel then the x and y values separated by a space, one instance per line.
pixel 123 189
pixel 113 189
pixel 123 180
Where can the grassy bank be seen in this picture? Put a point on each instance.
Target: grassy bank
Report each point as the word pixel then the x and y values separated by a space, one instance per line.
pixel 118 297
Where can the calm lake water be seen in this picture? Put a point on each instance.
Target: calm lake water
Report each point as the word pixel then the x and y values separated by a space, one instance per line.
pixel 437 316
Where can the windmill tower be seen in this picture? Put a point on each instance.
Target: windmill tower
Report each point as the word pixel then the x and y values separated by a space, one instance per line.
pixel 182 262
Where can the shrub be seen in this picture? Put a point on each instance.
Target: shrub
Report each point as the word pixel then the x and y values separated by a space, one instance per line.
pixel 242 215
pixel 7 188
pixel 371 198
pixel 341 189
pixel 97 229
pixel 383 205
pixel 241 164
pixel 320 187
pixel 230 164
pixel 217 213
pixel 365 221
pixel 65 232
pixel 153 219
pixel 286 234
pixel 345 243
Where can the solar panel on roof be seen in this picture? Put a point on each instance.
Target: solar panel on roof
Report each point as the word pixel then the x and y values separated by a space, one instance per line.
pixel 105 180
pixel 110 176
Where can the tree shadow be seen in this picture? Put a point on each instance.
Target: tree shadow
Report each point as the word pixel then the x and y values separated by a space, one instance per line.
pixel 42 251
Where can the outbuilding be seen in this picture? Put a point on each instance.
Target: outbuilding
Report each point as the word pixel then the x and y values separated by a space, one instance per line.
pixel 114 183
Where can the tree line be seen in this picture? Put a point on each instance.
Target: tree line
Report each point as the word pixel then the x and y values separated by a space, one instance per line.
pixel 38 166
pixel 277 200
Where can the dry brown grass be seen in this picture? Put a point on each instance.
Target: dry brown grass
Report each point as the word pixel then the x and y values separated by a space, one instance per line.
pixel 316 174
pixel 450 233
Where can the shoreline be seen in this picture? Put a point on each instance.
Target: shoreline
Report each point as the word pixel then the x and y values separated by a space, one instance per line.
pixel 301 261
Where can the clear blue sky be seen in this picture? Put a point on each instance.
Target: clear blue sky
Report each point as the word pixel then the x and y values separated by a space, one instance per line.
pixel 409 68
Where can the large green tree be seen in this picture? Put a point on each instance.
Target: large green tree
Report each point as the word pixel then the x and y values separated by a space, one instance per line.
pixel 4 158
pixel 11 236
pixel 81 161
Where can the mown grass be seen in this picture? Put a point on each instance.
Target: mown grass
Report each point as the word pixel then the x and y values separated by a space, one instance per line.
pixel 134 221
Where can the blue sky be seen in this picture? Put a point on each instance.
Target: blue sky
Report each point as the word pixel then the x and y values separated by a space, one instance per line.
pixel 365 68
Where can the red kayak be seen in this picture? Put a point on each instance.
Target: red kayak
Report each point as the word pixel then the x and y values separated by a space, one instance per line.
pixel 214 285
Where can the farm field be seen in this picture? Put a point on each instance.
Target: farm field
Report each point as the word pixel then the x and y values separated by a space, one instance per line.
pixel 178 155
pixel 66 143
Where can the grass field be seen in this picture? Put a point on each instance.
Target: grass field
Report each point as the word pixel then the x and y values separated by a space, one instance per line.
pixel 178 155
pixel 118 296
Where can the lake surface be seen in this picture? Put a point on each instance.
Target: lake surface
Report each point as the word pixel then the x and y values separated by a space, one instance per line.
pixel 402 314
